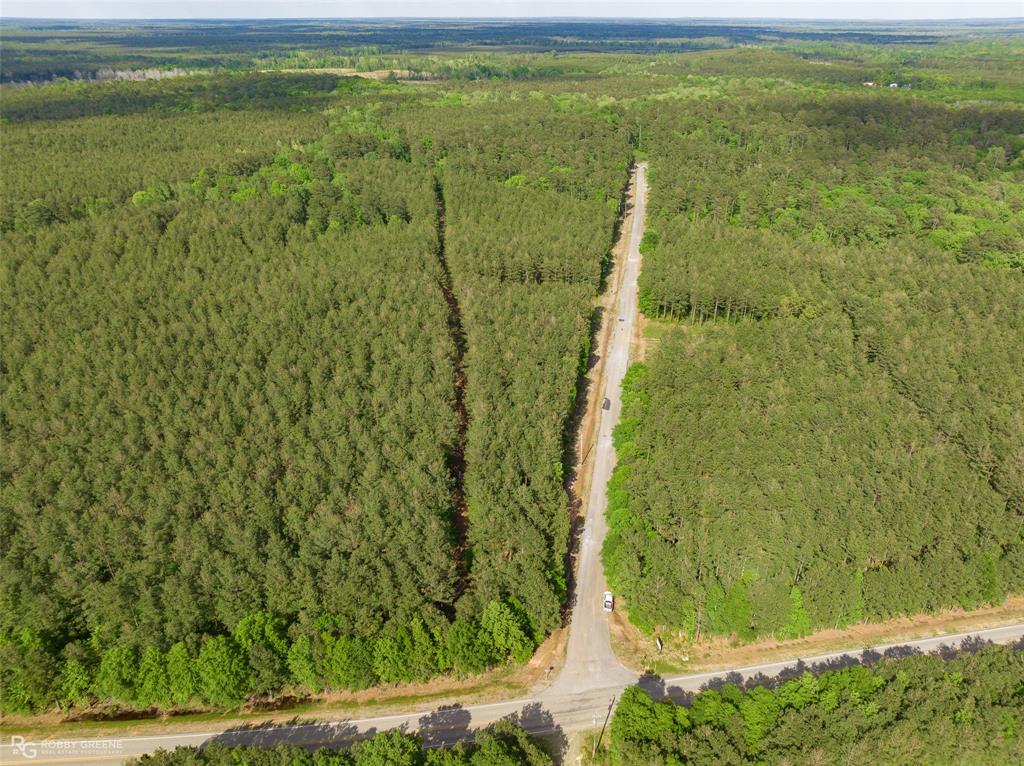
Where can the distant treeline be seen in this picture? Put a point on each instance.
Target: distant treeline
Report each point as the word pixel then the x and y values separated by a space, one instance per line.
pixel 35 50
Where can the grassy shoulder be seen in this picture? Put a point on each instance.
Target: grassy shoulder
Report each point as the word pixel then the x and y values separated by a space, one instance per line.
pixel 638 651
pixel 503 683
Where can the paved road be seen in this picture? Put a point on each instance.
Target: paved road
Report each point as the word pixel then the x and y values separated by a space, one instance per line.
pixel 592 678
pixel 550 713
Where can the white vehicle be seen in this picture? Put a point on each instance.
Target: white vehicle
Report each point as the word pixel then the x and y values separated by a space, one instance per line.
pixel 609 601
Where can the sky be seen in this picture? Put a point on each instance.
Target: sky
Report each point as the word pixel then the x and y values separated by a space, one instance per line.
pixel 253 9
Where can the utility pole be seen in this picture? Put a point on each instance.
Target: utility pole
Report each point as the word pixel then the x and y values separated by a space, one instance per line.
pixel 604 726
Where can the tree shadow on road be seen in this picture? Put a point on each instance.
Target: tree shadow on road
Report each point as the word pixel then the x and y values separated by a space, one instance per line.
pixel 540 724
pixel 447 724
pixel 295 732
pixel 652 684
pixel 658 689
pixel 572 457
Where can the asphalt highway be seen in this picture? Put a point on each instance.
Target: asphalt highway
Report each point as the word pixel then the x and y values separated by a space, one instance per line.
pixel 553 712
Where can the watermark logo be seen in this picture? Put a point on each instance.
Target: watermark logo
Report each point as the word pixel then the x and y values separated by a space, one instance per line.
pixel 26 749
pixel 51 747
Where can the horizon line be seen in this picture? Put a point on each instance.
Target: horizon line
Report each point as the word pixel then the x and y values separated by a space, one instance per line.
pixel 559 17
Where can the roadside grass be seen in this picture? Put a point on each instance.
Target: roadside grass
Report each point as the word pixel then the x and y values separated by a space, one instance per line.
pixel 651 333
pixel 501 684
pixel 636 650
pixel 593 748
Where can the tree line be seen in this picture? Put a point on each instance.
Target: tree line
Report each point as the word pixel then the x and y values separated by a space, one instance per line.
pixel 501 744
pixel 910 710
pixel 263 655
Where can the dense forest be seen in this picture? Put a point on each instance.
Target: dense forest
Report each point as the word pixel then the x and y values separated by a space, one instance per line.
pixel 84 146
pixel 829 429
pixel 502 744
pixel 290 358
pixel 288 409
pixel 918 709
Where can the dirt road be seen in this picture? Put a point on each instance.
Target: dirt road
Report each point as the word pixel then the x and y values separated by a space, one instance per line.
pixel 590 661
